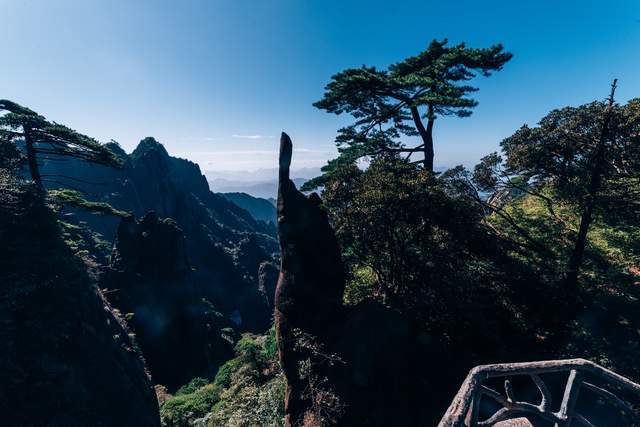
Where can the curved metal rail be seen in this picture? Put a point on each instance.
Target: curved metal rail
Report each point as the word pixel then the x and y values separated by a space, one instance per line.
pixel 464 409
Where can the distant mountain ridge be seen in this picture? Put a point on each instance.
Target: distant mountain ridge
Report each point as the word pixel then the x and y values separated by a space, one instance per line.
pixel 261 189
pixel 259 175
pixel 259 208
pixel 151 179
pixel 262 183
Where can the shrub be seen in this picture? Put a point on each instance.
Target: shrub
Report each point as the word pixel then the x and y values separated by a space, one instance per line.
pixel 183 408
pixel 193 385
pixel 223 377
pixel 247 390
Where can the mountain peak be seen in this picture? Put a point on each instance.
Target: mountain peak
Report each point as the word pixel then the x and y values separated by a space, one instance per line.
pixel 149 144
pixel 116 149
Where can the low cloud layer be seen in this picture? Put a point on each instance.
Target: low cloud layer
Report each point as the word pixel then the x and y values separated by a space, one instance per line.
pixel 252 136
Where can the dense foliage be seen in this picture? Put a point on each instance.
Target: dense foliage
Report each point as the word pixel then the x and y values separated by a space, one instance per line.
pixel 247 390
pixel 413 243
pixel 497 243
pixel 586 156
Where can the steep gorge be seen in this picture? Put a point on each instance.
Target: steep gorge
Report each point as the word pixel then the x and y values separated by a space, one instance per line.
pixel 185 270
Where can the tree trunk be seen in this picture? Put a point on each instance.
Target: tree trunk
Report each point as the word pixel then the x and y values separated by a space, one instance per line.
pixel 32 159
pixel 426 134
pixel 575 261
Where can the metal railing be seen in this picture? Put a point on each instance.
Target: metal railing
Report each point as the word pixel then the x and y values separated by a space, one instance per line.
pixel 464 410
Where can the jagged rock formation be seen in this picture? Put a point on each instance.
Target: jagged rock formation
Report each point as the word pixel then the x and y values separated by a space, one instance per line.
pixel 149 279
pixel 361 365
pixel 267 282
pixel 152 180
pixel 308 298
pixel 65 358
pixel 211 251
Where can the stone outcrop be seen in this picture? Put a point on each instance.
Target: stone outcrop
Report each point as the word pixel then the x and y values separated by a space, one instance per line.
pixel 66 359
pixel 215 229
pixel 362 365
pixel 308 298
pixel 150 280
pixel 267 282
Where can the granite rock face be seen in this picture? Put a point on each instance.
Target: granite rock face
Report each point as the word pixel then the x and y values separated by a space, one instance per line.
pixel 267 282
pixel 362 365
pixel 152 180
pixel 210 250
pixel 66 358
pixel 308 300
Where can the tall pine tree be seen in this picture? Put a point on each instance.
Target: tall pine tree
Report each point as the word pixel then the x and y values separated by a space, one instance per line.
pixel 387 104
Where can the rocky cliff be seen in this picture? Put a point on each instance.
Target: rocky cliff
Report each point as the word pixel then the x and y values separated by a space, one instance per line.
pixel 150 280
pixel 161 270
pixel 152 180
pixel 66 359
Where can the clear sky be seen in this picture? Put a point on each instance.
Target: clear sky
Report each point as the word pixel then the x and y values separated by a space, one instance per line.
pixel 216 81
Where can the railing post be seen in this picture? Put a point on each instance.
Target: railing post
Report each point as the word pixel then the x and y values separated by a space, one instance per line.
pixel 471 419
pixel 571 391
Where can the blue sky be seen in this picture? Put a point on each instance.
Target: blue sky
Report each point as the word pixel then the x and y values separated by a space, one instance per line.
pixel 216 81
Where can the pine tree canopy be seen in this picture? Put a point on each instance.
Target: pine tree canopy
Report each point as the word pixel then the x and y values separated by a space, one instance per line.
pixel 388 104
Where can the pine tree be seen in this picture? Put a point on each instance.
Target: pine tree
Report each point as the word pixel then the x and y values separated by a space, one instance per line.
pixel 387 104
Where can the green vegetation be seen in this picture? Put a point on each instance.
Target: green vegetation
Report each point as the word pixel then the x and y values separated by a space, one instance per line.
pixel 247 390
pixel 181 408
pixel 67 197
pixel 10 156
pixel 84 241
pixel 541 241
pixel 550 225
pixel 589 156
pixel 44 140
pixel 412 243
